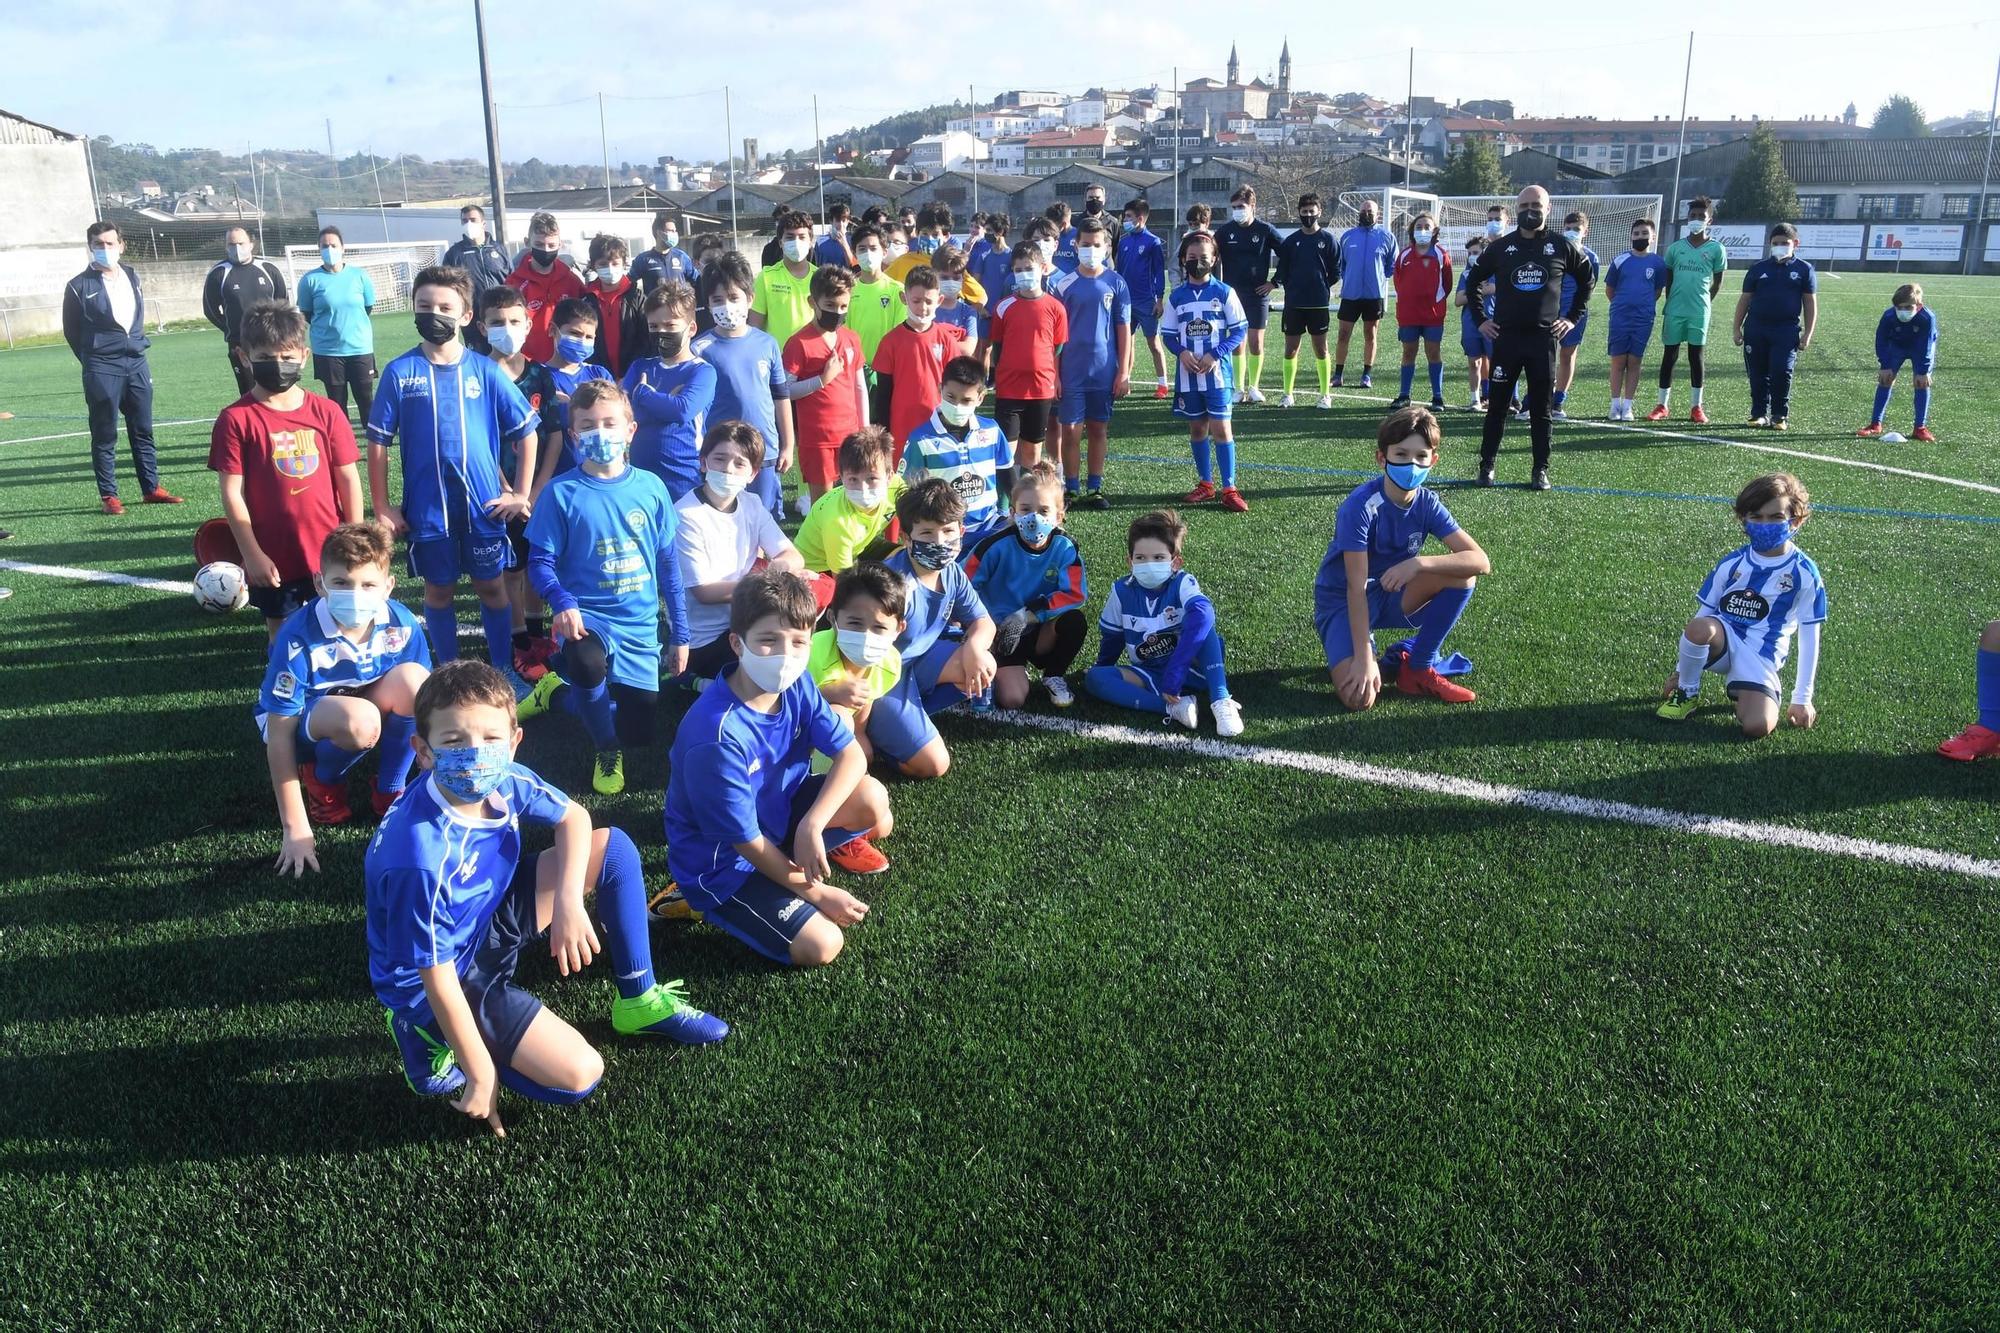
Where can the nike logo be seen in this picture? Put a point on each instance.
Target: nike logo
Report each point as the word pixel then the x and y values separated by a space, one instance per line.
pixel 300 490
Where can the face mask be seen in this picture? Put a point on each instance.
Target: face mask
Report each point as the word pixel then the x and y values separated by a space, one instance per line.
pixel 830 320
pixel 897 249
pixel 575 349
pixel 669 345
pixel 1906 313
pixel 955 414
pixel 928 245
pixel 725 485
pixel 865 647
pixel 276 376
pixel 599 446
pixel 1309 220
pixel 920 322
pixel 1407 475
pixel 352 608
pixel 436 329
pixel 1697 225
pixel 795 249
pixel 1092 207
pixel 864 497
pixel 1640 243
pixel 774 673
pixel 1035 529
pixel 1531 219
pixel 1420 237
pixel 1152 573
pixel 328 255
pixel 611 275
pixel 933 555
pixel 239 254
pixel 1047 247
pixel 1238 213
pixel 869 260
pixel 1493 226
pixel 470 773
pixel 727 316
pixel 1090 256
pixel 472 231
pixel 544 258
pixel 1199 269
pixel 950 287
pixel 1767 536
pixel 1573 236
pixel 1366 220
pixel 505 339
pixel 1781 250
pixel 1128 226
pixel 1027 283
pixel 668 240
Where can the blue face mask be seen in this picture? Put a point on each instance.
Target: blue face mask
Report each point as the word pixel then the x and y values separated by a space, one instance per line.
pixel 927 245
pixel 470 773
pixel 1035 529
pixel 351 608
pixel 1152 573
pixel 1767 536
pixel 101 256
pixel 933 555
pixel 599 446
pixel 574 349
pixel 328 255
pixel 1407 475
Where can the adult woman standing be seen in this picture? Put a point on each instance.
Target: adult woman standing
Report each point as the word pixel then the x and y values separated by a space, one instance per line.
pixel 337 302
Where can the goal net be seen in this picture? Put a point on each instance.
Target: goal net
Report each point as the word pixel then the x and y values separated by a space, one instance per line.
pixel 391 265
pixel 1610 217
pixel 1394 207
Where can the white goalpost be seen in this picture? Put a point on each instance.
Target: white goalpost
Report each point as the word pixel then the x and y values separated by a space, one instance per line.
pixel 391 265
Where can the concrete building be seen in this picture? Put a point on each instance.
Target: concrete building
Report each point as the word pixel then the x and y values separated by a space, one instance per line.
pixel 950 151
pixel 1441 136
pixel 1010 157
pixel 996 124
pixel 1619 146
pixel 45 207
pixel 962 193
pixel 1052 150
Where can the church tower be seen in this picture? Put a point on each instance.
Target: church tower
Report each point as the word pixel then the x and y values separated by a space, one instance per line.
pixel 1235 69
pixel 1284 98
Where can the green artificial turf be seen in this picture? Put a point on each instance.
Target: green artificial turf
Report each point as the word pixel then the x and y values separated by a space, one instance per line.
pixel 1133 1036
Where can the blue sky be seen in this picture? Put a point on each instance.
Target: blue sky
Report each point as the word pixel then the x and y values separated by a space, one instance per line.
pixel 403 76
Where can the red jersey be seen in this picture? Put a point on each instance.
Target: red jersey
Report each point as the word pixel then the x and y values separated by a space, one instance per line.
pixel 1028 334
pixel 834 411
pixel 542 292
pixel 1423 286
pixel 286 460
pixel 915 363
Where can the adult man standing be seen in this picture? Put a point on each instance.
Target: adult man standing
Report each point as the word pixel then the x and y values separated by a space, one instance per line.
pixel 483 259
pixel 666 261
pixel 235 284
pixel 104 322
pixel 1528 266
pixel 1367 260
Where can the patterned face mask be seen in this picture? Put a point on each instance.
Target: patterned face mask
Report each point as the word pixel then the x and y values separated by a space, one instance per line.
pixel 471 773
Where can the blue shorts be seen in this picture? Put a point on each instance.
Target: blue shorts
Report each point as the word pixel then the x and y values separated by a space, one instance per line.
pixel 899 725
pixel 1574 338
pixel 1627 338
pixel 501 1010
pixel 1144 321
pixel 445 560
pixel 1256 309
pixel 1919 365
pixel 765 915
pixel 1474 343
pixel 1194 404
pixel 1385 611
pixel 1410 333
pixel 1079 404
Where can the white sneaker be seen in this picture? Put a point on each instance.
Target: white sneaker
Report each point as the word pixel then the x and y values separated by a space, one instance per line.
pixel 1521 414
pixel 1228 717
pixel 803 505
pixel 1286 401
pixel 1558 415
pixel 1253 395
pixel 1475 404
pixel 1060 693
pixel 1325 403
pixel 1182 711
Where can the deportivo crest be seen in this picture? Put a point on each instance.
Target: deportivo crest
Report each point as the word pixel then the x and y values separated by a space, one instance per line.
pixel 635 519
pixel 394 638
pixel 1107 300
pixel 1549 249
pixel 471 387
pixel 295 453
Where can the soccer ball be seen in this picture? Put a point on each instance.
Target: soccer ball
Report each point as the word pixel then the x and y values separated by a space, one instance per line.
pixel 1892 437
pixel 220 587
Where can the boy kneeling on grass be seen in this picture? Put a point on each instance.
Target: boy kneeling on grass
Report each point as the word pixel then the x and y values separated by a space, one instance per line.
pixel 1375 574
pixel 451 911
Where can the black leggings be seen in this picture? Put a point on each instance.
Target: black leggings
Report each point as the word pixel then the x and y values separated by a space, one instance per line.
pixel 708 661
pixel 584 664
pixel 1017 641
pixel 1667 359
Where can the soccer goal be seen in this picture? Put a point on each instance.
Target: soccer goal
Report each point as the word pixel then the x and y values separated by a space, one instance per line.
pixel 391 265
pixel 1611 217
pixel 1394 208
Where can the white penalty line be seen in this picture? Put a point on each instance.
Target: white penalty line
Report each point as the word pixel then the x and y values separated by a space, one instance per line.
pixel 1741 444
pixel 95 576
pixel 1525 798
pixel 84 434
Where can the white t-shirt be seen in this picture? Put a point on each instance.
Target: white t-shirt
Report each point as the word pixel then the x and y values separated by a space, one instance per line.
pixel 118 291
pixel 714 546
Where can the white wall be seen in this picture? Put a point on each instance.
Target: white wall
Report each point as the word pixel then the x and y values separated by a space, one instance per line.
pixel 360 225
pixel 45 207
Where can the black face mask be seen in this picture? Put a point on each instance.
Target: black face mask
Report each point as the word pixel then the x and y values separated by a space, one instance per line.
pixel 544 258
pixel 1531 219
pixel 1093 206
pixel 830 320
pixel 1308 220
pixel 436 329
pixel 276 376
pixel 1641 242
pixel 1199 268
pixel 670 344
pixel 1367 219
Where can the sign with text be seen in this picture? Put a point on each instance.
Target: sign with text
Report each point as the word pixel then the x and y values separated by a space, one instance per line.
pixel 1916 242
pixel 1745 241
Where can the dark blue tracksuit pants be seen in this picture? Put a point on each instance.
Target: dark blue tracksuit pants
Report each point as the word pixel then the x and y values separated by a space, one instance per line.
pixel 115 385
pixel 1770 352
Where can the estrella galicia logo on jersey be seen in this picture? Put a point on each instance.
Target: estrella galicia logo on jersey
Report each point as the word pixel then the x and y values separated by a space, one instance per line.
pixel 1157 647
pixel 635 519
pixel 295 453
pixel 472 387
pixel 1199 328
pixel 1530 278
pixel 969 485
pixel 1744 604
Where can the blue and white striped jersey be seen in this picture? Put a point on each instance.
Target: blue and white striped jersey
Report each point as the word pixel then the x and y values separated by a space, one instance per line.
pixel 311 658
pixel 1149 623
pixel 1764 600
pixel 1207 319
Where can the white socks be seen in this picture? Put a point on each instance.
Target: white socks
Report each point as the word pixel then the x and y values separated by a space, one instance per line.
pixel 1693 660
pixel 1696 390
pixel 1664 395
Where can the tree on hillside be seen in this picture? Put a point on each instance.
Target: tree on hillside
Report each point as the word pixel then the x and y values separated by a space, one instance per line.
pixel 1760 189
pixel 1899 118
pixel 1473 170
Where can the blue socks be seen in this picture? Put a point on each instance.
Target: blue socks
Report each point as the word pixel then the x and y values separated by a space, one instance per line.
pixel 1072 486
pixel 536 1092
pixel 1485 389
pixel 1560 395
pixel 1882 392
pixel 1409 374
pixel 396 755
pixel 441 623
pixel 1202 467
pixel 1097 481
pixel 1923 406
pixel 1989 690
pixel 1109 684
pixel 1208 671
pixel 1435 620
pixel 621 906
pixel 498 622
pixel 1437 381
pixel 331 762
pixel 1225 460
pixel 595 707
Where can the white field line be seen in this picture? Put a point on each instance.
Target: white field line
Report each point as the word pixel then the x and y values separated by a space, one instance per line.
pixel 1525 798
pixel 84 434
pixel 95 576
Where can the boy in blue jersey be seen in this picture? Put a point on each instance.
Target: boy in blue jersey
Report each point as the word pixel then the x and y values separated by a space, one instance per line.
pixel 751 833
pixel 666 261
pixel 1096 365
pixel 938 672
pixel 953 309
pixel 1062 259
pixel 1576 226
pixel 452 910
pixel 1907 332
pixel 342 680
pixel 603 558
pixel 1203 327
pixel 671 392
pixel 1158 614
pixel 1308 268
pixel 448 412
pixel 1142 262
pixel 1633 284
pixel 1375 574
pixel 1775 318
pixel 575 328
pixel 1030 577
pixel 966 450
pixel 504 324
pixel 1474 309
pixel 1751 604
pixel 750 380
pixel 1246 245
pixel 993 267
pixel 1367 259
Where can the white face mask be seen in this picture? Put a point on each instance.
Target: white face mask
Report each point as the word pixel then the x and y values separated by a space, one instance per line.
pixel 955 414
pixel 1047 247
pixel 725 485
pixel 921 322
pixel 240 254
pixel 864 497
pixel 611 274
pixel 1697 225
pixel 505 339
pixel 897 249
pixel 472 231
pixel 1420 237
pixel 775 672
pixel 1781 250
pixel 869 259
pixel 1090 256
pixel 950 287
pixel 864 646
pixel 1152 573
pixel 795 249
pixel 729 314
pixel 1238 213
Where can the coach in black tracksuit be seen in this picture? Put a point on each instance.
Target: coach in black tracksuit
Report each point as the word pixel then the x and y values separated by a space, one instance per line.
pixel 240 281
pixel 1527 265
pixel 483 261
